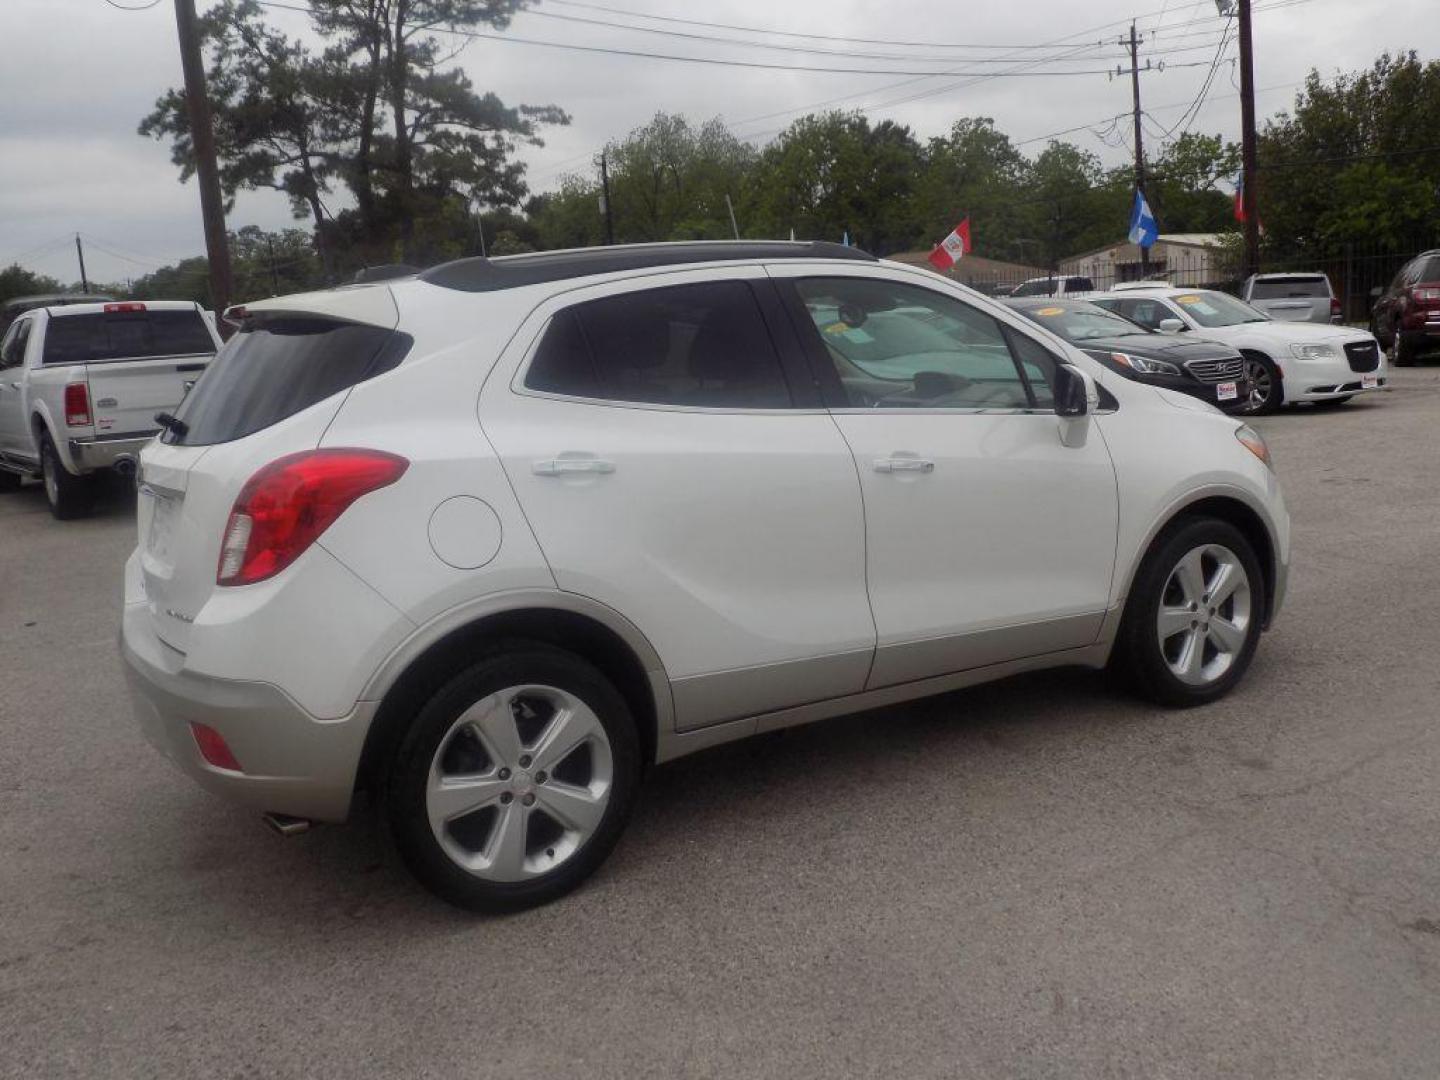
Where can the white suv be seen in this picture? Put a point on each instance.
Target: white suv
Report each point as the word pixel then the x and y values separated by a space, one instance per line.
pixel 490 540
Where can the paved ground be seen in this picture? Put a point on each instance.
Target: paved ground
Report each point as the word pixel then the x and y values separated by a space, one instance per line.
pixel 1034 879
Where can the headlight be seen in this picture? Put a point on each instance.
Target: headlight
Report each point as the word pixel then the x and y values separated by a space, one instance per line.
pixel 1313 351
pixel 1144 366
pixel 1253 441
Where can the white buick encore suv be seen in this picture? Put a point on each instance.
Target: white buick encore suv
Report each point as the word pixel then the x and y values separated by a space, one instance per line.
pixel 489 540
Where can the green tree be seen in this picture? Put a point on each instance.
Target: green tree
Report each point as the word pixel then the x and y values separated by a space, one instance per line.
pixel 1183 184
pixel 1355 161
pixel 15 280
pixel 833 174
pixel 974 170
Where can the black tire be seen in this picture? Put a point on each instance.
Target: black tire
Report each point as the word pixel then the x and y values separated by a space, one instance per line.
pixel 1332 403
pixel 1138 655
pixel 69 496
pixel 505 665
pixel 1404 354
pixel 1267 392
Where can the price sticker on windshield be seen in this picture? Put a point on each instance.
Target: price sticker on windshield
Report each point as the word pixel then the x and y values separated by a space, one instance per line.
pixel 1050 312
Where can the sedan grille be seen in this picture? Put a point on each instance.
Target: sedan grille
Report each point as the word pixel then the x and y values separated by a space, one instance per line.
pixel 1363 355
pixel 1214 371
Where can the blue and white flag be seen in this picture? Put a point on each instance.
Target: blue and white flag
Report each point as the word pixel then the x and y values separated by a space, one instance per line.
pixel 1143 230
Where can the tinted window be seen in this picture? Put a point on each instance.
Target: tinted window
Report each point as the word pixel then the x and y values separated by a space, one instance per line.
pixel 12 349
pixel 702 345
pixel 1079 284
pixel 1290 287
pixel 1038 287
pixel 1038 363
pixel 1146 313
pixel 275 368
pixel 79 339
pixel 897 346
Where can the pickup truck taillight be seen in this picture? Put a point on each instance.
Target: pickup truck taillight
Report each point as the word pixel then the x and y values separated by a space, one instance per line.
pixel 285 507
pixel 1335 310
pixel 77 405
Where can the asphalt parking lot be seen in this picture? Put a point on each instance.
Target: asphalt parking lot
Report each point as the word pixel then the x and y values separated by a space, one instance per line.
pixel 1039 878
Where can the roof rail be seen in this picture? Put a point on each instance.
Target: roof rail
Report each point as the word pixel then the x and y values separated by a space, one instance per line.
pixel 387 272
pixel 514 271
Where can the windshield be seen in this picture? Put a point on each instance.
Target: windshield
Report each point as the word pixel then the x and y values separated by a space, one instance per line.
pixel 1290 288
pixel 1217 309
pixel 1077 323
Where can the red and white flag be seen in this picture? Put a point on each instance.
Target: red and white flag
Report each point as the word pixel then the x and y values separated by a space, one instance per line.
pixel 953 248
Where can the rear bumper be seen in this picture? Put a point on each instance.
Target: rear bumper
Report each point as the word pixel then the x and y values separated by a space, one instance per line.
pixel 293 763
pixel 106 451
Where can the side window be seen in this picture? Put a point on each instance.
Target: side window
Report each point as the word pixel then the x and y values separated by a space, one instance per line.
pixel 7 346
pixel 1039 364
pixel 700 345
pixel 1147 313
pixel 15 347
pixel 900 346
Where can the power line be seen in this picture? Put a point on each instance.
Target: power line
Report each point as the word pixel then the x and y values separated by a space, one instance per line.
pixel 128 7
pixel 717 61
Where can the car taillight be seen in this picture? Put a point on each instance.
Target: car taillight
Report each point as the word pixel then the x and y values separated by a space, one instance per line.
pixel 1425 294
pixel 285 506
pixel 128 305
pixel 213 747
pixel 77 404
pixel 1335 308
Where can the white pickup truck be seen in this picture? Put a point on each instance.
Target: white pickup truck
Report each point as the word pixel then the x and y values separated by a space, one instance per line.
pixel 80 387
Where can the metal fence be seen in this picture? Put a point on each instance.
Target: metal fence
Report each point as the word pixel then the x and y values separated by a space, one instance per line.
pixel 1354 270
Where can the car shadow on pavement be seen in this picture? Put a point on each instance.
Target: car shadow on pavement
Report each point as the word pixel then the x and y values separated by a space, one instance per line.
pixel 114 498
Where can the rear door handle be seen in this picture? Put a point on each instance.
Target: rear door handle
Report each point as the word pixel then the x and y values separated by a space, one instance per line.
pixel 560 466
pixel 904 464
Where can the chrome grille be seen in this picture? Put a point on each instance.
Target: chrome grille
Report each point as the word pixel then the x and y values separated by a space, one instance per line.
pixel 1213 371
pixel 1363 355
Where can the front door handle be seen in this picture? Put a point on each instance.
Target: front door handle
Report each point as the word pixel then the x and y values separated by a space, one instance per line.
pixel 561 466
pixel 903 464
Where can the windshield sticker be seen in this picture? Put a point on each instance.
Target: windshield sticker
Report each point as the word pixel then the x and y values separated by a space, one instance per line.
pixel 858 336
pixel 1188 301
pixel 1050 312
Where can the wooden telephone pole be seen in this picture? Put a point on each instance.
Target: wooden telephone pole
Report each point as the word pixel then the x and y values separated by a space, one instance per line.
pixel 207 172
pixel 1134 43
pixel 1249 187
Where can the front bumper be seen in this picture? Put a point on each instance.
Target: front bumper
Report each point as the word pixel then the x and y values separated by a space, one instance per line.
pixel 1327 378
pixel 293 763
pixel 105 451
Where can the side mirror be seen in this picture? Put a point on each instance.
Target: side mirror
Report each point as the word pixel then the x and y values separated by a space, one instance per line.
pixel 1172 326
pixel 1072 394
pixel 1376 293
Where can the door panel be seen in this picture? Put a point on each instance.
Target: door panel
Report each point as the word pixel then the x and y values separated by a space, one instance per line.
pixel 986 538
pixel 734 540
pixel 1004 549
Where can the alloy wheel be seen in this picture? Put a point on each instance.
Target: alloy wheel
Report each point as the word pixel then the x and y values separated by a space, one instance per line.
pixel 1261 384
pixel 1204 615
pixel 519 783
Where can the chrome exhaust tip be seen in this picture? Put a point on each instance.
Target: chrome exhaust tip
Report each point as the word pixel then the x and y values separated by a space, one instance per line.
pixel 286 825
pixel 126 466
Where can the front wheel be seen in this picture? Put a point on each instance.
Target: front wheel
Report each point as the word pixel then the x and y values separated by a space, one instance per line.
pixel 1402 355
pixel 515 780
pixel 1266 392
pixel 69 496
pixel 1193 617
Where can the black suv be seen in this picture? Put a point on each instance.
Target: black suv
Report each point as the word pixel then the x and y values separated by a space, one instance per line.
pixel 1204 369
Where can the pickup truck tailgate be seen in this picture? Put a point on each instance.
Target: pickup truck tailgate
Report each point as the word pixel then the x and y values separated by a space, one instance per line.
pixel 126 394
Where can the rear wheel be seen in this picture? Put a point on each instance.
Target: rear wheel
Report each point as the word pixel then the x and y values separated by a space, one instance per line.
pixel 515 780
pixel 1266 392
pixel 69 496
pixel 1193 617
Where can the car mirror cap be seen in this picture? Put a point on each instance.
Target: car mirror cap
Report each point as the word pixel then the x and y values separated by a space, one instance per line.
pixel 1171 326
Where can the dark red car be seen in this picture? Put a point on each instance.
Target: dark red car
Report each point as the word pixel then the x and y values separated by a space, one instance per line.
pixel 1406 315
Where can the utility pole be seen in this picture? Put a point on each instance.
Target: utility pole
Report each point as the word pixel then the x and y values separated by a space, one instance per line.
pixel 1134 43
pixel 274 277
pixel 605 200
pixel 731 207
pixel 80 251
pixel 1249 186
pixel 207 172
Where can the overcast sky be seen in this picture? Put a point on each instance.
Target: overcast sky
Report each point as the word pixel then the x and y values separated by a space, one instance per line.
pixel 79 74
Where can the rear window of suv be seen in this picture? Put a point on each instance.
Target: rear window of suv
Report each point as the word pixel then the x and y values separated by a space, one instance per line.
pixel 1290 288
pixel 125 335
pixel 275 367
